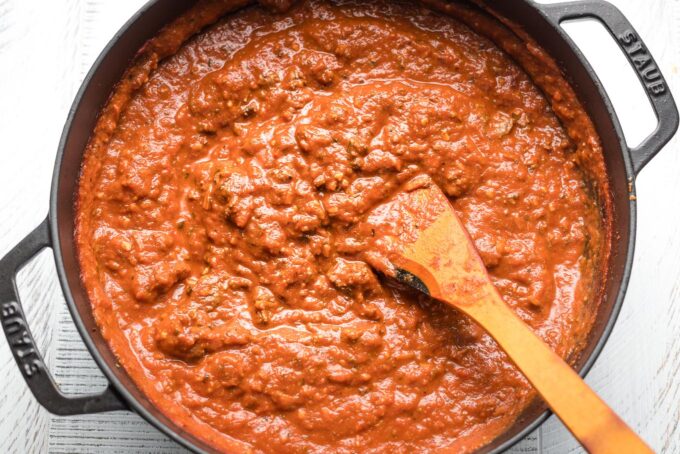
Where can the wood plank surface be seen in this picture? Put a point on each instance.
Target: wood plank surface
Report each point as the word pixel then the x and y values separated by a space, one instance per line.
pixel 47 47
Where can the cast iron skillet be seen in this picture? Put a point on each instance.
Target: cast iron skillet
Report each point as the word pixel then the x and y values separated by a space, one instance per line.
pixel 542 22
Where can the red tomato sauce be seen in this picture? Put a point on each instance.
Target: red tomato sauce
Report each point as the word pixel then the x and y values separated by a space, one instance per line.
pixel 219 191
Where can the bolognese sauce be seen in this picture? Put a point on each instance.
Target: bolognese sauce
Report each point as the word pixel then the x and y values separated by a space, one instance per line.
pixel 219 193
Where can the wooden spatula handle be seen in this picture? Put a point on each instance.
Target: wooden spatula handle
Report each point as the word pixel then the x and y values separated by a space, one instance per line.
pixel 589 419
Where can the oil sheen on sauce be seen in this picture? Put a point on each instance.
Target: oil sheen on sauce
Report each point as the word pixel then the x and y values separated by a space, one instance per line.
pixel 218 197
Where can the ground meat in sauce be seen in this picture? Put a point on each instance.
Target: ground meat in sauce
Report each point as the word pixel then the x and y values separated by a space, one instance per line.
pixel 215 228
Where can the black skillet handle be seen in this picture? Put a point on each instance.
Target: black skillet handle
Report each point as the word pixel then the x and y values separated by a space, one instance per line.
pixel 641 61
pixel 21 342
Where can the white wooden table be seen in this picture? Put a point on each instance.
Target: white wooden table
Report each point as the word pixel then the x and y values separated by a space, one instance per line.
pixel 46 47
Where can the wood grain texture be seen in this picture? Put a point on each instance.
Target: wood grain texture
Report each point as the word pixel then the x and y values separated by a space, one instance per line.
pixel 46 49
pixel 28 140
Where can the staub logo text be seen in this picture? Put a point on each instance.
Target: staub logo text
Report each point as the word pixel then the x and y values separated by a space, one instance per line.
pixel 644 65
pixel 19 339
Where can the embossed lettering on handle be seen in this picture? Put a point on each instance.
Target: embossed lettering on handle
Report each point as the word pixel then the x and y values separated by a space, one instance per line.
pixel 643 63
pixel 20 340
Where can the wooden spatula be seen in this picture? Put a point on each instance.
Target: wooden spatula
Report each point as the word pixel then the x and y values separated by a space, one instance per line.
pixel 419 240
